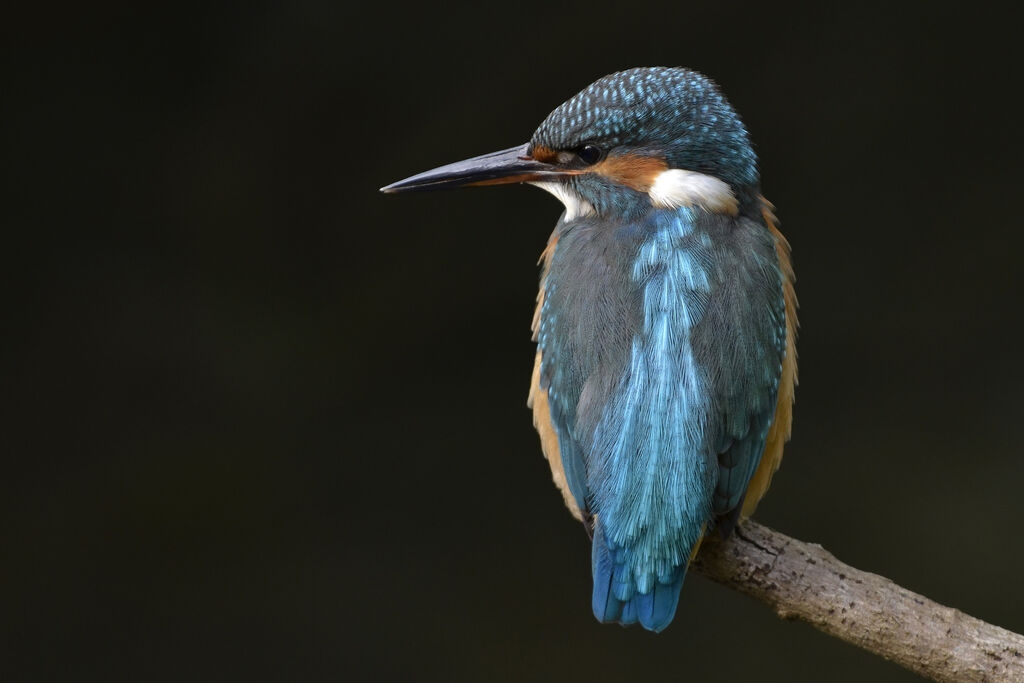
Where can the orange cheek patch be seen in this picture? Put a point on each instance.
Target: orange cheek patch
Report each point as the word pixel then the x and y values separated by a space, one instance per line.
pixel 631 170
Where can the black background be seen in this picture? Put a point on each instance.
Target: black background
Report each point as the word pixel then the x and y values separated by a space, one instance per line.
pixel 267 424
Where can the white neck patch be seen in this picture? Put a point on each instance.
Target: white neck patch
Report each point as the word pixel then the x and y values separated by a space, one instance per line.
pixel 675 187
pixel 575 205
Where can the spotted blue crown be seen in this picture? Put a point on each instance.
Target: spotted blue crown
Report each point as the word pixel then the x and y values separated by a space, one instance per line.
pixel 675 113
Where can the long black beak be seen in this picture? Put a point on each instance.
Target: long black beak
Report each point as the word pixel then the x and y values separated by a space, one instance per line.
pixel 514 165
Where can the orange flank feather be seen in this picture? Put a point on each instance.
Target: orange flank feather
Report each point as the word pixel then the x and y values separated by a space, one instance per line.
pixel 549 440
pixel 538 401
pixel 782 424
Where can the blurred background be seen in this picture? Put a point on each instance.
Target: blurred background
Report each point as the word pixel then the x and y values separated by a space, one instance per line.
pixel 264 423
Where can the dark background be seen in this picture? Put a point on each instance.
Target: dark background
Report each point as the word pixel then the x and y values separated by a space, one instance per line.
pixel 264 423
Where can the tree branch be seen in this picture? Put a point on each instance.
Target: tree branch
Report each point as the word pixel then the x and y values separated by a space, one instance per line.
pixel 803 581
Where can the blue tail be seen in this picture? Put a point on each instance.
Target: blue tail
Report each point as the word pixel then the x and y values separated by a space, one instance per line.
pixel 616 597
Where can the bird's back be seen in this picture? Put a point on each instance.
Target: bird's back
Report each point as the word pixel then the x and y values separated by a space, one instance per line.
pixel 660 350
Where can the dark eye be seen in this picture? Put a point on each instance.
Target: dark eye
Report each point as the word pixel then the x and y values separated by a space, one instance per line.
pixel 589 154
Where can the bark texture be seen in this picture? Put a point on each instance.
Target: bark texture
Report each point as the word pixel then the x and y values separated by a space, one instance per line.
pixel 804 581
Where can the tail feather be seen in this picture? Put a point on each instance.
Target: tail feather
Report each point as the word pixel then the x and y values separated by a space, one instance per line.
pixel 616 598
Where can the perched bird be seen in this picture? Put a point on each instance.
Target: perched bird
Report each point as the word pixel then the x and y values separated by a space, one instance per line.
pixel 665 324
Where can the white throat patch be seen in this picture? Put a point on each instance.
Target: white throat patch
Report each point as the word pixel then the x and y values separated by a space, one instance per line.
pixel 575 205
pixel 675 187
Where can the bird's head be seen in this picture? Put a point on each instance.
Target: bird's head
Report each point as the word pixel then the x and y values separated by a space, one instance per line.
pixel 630 142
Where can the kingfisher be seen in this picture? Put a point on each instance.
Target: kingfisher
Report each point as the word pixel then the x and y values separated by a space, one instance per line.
pixel 666 323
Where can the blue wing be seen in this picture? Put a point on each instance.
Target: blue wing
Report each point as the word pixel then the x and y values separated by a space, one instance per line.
pixel 661 358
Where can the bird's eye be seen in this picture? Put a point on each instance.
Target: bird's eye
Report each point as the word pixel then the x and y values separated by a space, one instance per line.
pixel 589 154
